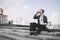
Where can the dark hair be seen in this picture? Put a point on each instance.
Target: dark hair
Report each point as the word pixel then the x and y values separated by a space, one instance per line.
pixel 42 10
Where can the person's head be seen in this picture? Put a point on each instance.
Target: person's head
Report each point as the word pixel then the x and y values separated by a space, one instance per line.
pixel 1 11
pixel 41 11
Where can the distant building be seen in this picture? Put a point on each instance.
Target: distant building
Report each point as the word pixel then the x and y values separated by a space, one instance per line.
pixel 24 21
pixel 3 19
pixel 55 20
pixel 11 22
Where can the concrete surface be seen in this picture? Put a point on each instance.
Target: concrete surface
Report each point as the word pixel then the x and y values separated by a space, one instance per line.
pixel 22 34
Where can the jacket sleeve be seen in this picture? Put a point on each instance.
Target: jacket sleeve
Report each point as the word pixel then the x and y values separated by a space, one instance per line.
pixel 35 16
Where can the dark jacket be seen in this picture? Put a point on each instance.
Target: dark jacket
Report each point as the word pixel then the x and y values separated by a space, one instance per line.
pixel 38 17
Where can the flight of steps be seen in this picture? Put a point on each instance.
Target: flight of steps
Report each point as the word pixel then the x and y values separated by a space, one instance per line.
pixel 22 34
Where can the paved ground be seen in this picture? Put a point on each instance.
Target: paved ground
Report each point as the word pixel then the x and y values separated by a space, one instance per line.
pixel 2 38
pixel 22 34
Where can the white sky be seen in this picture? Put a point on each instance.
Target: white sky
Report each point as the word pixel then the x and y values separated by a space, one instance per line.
pixel 25 9
pixel 15 9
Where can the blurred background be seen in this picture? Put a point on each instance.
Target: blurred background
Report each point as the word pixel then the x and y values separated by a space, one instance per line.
pixel 22 11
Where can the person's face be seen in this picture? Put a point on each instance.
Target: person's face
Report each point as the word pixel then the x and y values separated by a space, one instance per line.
pixel 40 12
pixel 1 11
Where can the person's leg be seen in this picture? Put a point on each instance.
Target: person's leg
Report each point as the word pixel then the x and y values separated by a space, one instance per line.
pixel 38 31
pixel 45 28
pixel 32 28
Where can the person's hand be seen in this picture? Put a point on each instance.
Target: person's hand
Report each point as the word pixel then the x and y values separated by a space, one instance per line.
pixel 43 23
pixel 38 12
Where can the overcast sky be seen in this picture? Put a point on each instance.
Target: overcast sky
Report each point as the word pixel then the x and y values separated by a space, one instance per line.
pixel 25 9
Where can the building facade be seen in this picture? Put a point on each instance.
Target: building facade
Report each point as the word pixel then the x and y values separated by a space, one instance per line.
pixel 3 19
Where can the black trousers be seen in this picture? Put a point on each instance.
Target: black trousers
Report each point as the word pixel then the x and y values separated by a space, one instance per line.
pixel 39 27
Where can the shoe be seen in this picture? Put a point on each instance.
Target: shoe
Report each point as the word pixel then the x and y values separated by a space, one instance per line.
pixel 35 34
pixel 49 30
pixel 31 33
pixel 39 33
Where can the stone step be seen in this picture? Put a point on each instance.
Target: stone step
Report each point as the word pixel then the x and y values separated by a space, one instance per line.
pixel 25 34
pixel 15 36
pixel 27 31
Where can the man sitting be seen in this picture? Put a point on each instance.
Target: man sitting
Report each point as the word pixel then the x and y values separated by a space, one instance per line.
pixel 41 25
